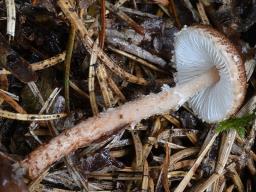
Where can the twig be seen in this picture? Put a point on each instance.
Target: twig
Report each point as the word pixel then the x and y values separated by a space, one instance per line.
pixel 135 58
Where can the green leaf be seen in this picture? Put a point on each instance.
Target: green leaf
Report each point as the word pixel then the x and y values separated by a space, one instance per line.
pixel 239 124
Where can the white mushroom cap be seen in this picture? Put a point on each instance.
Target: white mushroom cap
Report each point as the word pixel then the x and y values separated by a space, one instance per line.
pixel 200 48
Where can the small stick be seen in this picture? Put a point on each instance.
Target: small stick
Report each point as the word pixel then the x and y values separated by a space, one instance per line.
pixel 137 59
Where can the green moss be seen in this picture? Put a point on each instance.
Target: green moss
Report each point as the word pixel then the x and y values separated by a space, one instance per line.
pixel 239 124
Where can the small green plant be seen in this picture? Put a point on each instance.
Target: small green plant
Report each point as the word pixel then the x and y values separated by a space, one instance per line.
pixel 239 124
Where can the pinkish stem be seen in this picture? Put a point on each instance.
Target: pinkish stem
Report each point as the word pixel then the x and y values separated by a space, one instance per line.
pixel 113 120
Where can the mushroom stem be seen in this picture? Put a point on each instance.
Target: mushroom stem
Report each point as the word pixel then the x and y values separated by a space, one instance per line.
pixel 113 120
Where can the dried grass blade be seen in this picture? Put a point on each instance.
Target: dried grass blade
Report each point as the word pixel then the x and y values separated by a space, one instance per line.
pixel 151 140
pixel 103 81
pixel 165 166
pixel 183 154
pixel 237 180
pixel 48 62
pixel 91 79
pixel 67 62
pixel 225 149
pixel 33 125
pixel 138 149
pixel 36 92
pixel 145 178
pixel 116 89
pixel 42 64
pixel 182 185
pixel 78 90
pixel 201 10
pixel 173 10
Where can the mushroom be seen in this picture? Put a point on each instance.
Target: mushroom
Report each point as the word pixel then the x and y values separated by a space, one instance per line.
pixel 210 76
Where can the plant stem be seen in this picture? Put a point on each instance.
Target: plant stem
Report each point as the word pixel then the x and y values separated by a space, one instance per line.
pixel 113 120
pixel 67 62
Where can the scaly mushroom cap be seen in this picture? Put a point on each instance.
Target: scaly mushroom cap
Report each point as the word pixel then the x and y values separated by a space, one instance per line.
pixel 198 49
